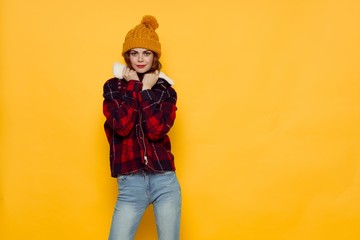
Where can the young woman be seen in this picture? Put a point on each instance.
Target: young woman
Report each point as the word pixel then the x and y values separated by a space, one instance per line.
pixel 140 109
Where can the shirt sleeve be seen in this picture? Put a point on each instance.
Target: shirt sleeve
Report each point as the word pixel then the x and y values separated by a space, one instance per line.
pixel 119 106
pixel 158 111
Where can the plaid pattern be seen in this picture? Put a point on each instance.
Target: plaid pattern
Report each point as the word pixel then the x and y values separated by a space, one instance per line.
pixel 136 126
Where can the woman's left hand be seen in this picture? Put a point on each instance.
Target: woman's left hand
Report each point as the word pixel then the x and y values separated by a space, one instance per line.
pixel 150 80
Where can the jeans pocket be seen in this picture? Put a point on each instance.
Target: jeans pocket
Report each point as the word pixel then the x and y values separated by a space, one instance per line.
pixel 166 173
pixel 167 179
pixel 122 178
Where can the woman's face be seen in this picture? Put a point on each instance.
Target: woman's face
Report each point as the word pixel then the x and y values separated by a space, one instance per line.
pixel 141 59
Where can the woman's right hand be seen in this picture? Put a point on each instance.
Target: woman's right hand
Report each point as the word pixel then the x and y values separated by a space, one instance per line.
pixel 130 74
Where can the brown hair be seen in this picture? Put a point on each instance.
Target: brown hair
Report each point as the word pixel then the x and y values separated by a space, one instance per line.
pixel 155 66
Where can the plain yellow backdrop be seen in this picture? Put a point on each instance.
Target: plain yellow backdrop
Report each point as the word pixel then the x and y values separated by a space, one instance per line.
pixel 267 136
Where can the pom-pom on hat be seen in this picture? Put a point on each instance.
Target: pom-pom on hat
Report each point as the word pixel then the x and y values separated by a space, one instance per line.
pixel 143 36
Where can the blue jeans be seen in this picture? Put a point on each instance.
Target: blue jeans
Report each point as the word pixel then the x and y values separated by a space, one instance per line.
pixel 136 192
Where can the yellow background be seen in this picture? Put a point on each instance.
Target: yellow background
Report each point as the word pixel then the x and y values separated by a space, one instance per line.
pixel 267 137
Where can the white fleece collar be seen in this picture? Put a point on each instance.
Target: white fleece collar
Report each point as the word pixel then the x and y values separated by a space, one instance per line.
pixel 118 73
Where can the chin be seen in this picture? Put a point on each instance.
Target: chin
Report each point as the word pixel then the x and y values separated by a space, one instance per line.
pixel 141 71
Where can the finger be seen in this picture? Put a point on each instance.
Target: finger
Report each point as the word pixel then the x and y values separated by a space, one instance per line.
pixel 126 71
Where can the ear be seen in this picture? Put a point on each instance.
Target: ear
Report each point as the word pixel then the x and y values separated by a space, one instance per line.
pixel 118 70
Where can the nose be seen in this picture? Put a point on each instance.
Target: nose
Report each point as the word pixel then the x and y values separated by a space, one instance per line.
pixel 140 58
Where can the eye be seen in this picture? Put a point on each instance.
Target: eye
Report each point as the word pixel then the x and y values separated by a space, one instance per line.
pixel 134 54
pixel 147 54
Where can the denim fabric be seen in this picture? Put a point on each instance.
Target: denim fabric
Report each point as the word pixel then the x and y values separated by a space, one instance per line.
pixel 136 192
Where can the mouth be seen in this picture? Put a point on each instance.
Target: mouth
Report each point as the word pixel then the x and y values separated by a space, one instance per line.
pixel 140 66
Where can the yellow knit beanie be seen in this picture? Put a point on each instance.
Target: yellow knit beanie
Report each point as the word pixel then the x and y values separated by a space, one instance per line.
pixel 143 36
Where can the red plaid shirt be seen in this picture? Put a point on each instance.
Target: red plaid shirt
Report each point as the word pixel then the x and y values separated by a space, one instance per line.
pixel 136 126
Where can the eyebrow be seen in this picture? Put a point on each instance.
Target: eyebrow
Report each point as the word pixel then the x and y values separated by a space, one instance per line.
pixel 135 51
